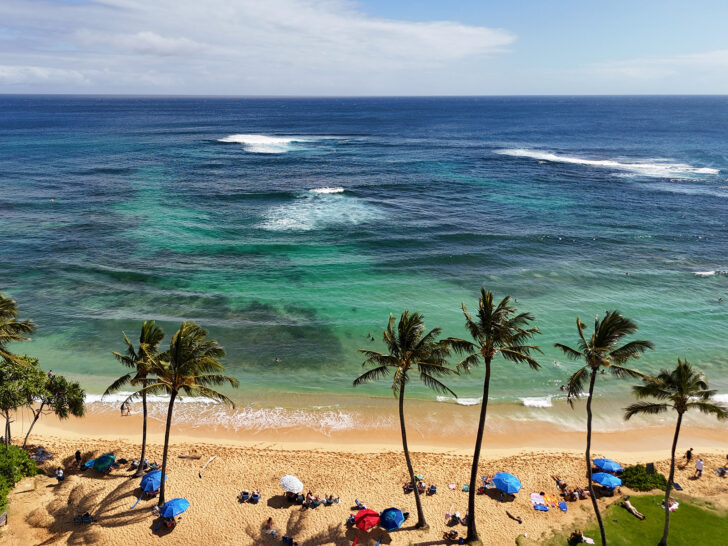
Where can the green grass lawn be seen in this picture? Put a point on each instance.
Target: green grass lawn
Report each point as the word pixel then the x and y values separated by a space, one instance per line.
pixel 690 525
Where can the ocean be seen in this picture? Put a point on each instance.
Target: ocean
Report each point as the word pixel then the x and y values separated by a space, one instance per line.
pixel 292 228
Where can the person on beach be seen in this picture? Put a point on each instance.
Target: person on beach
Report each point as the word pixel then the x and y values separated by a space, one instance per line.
pixel 698 468
pixel 688 455
pixel 78 458
pixel 60 476
pixel 269 529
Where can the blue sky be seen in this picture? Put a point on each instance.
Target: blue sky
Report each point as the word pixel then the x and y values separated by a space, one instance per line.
pixel 368 47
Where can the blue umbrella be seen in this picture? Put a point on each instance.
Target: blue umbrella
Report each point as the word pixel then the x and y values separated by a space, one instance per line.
pixel 104 462
pixel 607 465
pixel 607 480
pixel 391 519
pixel 152 481
pixel 507 483
pixel 174 508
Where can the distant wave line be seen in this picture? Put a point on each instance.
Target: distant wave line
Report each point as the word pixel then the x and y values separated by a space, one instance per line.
pixel 658 168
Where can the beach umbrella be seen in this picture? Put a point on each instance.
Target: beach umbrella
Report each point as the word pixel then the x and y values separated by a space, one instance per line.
pixel 507 483
pixel 607 465
pixel 366 519
pixel 391 519
pixel 174 508
pixel 607 480
pixel 152 481
pixel 104 462
pixel 419 476
pixel 291 484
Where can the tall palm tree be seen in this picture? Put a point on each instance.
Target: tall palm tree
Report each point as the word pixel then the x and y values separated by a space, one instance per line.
pixel 409 347
pixel 496 329
pixel 12 329
pixel 190 366
pixel 681 389
pixel 601 352
pixel 140 360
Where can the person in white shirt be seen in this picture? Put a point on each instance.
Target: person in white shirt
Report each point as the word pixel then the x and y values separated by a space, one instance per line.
pixel 699 468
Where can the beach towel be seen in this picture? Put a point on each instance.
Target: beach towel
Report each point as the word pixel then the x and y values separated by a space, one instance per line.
pixel 452 486
pixel 562 506
pixel 539 502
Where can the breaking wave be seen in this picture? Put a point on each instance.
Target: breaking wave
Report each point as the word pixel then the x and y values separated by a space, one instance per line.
pixel 265 144
pixel 658 168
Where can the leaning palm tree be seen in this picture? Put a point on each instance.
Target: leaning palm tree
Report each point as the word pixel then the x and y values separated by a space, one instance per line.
pixel 190 366
pixel 140 360
pixel 681 389
pixel 601 352
pixel 496 329
pixel 12 329
pixel 409 347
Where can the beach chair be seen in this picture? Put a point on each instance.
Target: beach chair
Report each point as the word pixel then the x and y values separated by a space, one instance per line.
pixel 254 498
pixel 466 487
pixel 432 490
pixel 243 496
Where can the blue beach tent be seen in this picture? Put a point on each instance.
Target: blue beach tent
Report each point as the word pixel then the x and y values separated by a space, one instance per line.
pixel 174 508
pixel 607 480
pixel 607 465
pixel 507 483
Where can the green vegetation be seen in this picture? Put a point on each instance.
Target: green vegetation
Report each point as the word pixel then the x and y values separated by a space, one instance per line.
pixel 140 361
pixel 496 329
pixel 637 478
pixel 601 353
pixel 691 525
pixel 410 348
pixel 189 367
pixel 681 389
pixel 14 465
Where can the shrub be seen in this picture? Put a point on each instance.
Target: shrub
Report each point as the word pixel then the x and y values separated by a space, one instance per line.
pixel 637 478
pixel 14 465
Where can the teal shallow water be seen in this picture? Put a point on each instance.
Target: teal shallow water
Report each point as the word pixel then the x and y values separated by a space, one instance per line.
pixel 296 250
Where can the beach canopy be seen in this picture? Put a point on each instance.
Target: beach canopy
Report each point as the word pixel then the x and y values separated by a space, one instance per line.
pixel 291 484
pixel 152 481
pixel 174 508
pixel 507 483
pixel 104 462
pixel 607 465
pixel 607 480
pixel 391 519
pixel 419 476
pixel 366 519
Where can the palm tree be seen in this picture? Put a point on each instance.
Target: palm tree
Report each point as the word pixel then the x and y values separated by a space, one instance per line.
pixel 681 389
pixel 11 329
pixel 141 361
pixel 601 352
pixel 409 347
pixel 497 329
pixel 190 366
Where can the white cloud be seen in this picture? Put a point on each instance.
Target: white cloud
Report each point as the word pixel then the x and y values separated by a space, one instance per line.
pixel 16 75
pixel 243 46
pixel 650 68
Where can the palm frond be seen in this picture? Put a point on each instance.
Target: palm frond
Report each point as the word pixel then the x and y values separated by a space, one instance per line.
pixel 435 385
pixel 644 408
pixel 371 375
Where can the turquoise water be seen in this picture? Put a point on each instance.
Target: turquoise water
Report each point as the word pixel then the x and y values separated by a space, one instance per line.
pixel 292 228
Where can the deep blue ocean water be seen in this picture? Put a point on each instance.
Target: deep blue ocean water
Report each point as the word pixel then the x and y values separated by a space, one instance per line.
pixel 291 228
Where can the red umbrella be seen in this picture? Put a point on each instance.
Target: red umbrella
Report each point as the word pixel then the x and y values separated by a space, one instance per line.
pixel 366 519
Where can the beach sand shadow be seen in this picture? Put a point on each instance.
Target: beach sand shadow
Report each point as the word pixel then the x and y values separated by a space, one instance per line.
pixel 279 501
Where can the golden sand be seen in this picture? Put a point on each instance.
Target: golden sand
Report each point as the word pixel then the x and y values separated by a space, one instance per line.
pixel 370 470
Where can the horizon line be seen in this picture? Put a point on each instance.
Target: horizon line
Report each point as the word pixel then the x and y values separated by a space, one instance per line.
pixel 323 96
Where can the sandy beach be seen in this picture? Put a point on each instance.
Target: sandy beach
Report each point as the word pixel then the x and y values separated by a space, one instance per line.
pixel 371 469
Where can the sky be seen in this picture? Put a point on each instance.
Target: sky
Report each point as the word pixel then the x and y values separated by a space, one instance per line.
pixel 364 47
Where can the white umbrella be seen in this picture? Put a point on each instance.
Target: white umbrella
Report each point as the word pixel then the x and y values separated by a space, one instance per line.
pixel 291 484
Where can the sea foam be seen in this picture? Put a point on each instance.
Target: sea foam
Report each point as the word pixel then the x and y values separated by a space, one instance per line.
pixel 461 401
pixel 719 272
pixel 320 208
pixel 536 401
pixel 266 144
pixel 657 168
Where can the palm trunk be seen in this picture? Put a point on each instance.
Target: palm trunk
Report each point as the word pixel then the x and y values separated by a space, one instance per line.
pixel 421 523
pixel 7 429
pixel 472 531
pixel 166 446
pixel 8 440
pixel 588 456
pixel 140 469
pixel 663 540
pixel 36 416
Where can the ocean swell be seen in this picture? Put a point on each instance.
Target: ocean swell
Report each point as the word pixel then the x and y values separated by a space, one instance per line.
pixel 657 168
